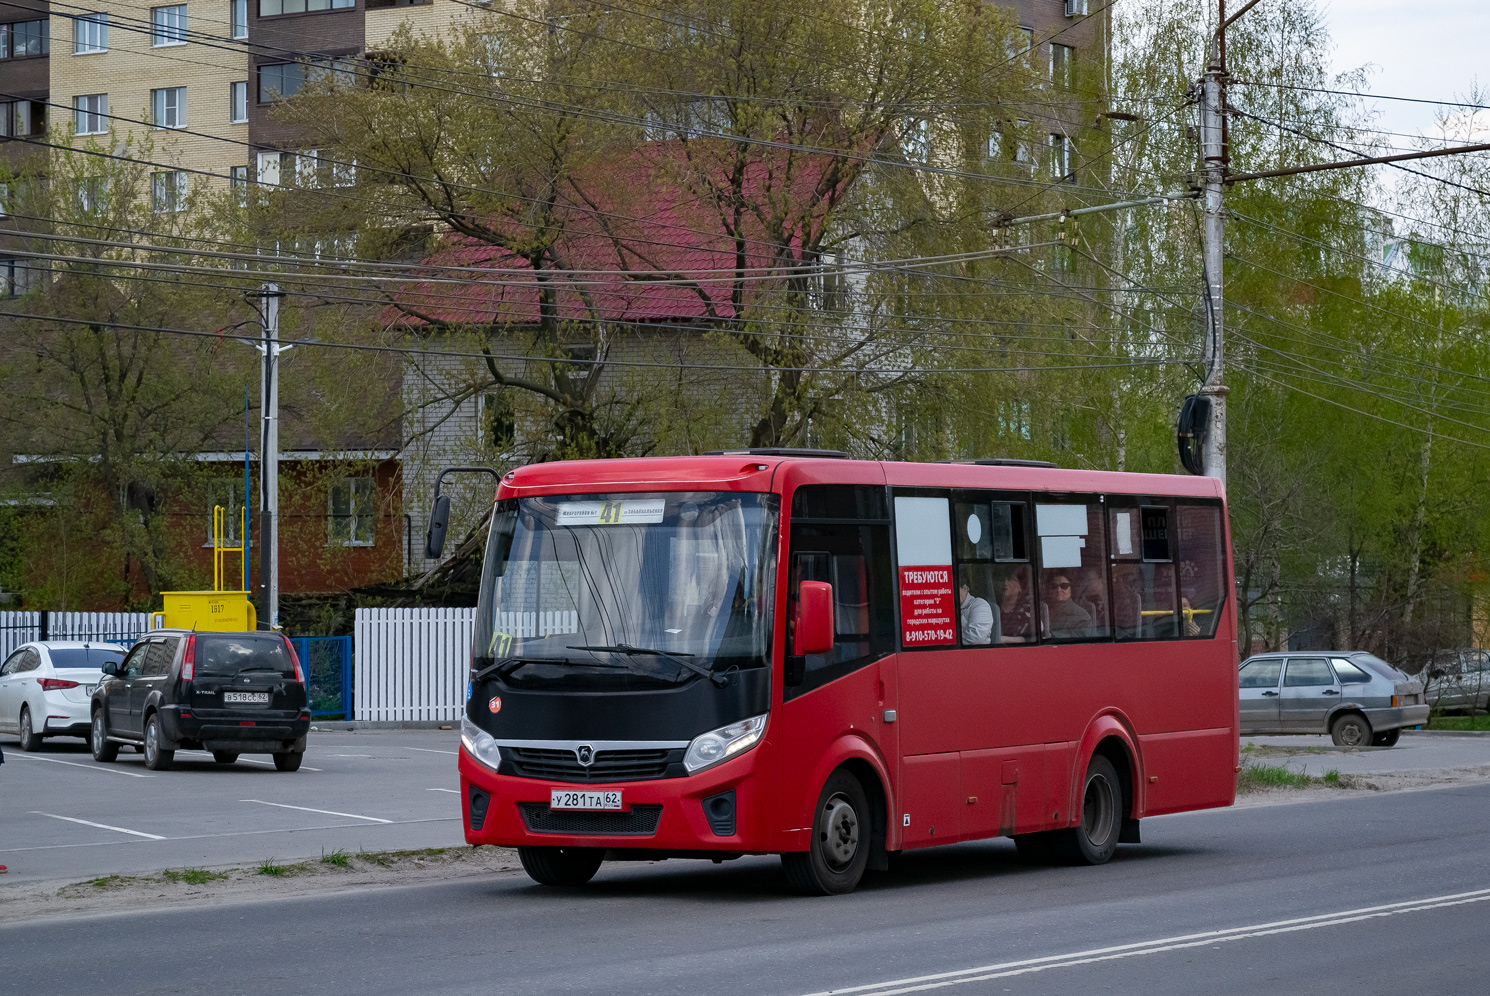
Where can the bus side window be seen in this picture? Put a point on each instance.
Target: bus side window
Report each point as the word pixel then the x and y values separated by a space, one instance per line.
pixel 1143 593
pixel 1073 574
pixel 1202 569
pixel 991 567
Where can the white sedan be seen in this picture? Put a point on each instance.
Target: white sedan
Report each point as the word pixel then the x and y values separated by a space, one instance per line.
pixel 46 687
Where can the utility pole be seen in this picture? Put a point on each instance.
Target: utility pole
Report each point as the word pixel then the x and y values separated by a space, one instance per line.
pixel 1215 159
pixel 269 456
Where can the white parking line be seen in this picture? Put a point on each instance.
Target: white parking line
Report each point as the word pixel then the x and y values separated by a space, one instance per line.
pixel 451 791
pixel 90 767
pixel 323 812
pixel 428 750
pixel 101 826
pixel 1160 945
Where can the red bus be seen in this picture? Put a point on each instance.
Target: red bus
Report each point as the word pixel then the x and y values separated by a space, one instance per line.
pixel 789 652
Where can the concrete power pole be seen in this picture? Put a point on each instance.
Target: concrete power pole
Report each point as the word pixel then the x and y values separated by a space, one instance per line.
pixel 269 457
pixel 1215 157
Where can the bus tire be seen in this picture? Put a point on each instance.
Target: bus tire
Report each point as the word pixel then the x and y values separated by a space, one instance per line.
pixel 835 860
pixel 1095 837
pixel 561 866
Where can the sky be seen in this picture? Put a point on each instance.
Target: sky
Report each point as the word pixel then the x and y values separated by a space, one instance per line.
pixel 1432 49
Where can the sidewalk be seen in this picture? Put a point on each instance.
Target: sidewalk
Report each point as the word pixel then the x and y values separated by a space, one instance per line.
pixel 1416 753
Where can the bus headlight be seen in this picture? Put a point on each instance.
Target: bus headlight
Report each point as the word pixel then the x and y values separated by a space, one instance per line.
pixel 479 744
pixel 708 749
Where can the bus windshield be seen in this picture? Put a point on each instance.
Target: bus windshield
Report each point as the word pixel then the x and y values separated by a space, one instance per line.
pixel 627 592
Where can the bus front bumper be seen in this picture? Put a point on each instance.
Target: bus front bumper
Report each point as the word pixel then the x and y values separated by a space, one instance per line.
pixel 722 809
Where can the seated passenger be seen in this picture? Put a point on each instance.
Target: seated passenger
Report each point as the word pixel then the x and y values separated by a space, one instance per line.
pixel 1067 619
pixel 1016 624
pixel 980 620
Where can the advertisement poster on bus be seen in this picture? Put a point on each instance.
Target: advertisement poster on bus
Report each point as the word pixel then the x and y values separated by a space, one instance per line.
pixel 923 546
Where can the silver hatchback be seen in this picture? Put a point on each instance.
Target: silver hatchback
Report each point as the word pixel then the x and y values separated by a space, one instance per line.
pixel 1357 698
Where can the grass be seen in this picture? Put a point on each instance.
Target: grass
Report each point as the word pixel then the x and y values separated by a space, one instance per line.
pixel 338 857
pixel 192 876
pixel 1261 777
pixel 111 881
pixel 280 871
pixel 1459 723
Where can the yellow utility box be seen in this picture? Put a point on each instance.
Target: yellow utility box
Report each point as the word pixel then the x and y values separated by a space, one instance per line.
pixel 229 611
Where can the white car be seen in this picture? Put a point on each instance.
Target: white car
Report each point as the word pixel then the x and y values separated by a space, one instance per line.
pixel 46 688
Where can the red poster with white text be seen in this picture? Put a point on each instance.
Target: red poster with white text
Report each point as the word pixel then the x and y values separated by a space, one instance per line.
pixel 926 606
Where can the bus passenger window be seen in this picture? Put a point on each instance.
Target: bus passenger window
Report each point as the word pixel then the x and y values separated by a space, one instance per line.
pixel 1143 593
pixel 979 615
pixel 1016 603
pixel 1202 569
pixel 1073 575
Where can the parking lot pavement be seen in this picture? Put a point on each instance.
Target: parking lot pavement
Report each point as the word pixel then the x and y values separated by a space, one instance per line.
pixel 1415 753
pixel 64 816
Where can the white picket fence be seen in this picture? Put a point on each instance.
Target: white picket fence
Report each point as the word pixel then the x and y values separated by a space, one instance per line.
pixel 17 627
pixel 411 664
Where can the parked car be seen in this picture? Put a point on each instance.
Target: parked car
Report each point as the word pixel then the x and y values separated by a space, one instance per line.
pixel 228 693
pixel 1354 696
pixel 44 688
pixel 1458 681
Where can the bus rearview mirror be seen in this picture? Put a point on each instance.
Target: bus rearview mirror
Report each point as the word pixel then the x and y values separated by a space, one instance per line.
pixel 439 521
pixel 814 633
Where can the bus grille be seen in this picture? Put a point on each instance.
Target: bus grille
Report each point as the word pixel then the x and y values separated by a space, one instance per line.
pixel 641 821
pixel 608 766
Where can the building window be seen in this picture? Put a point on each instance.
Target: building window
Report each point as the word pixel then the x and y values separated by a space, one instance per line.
pixel 90 114
pixel 18 276
pixel 168 191
pixel 286 79
pixel 25 39
pixel 1060 159
pixel 168 25
pixel 353 512
pixel 269 163
pixel 270 8
pixel 498 421
pixel 238 102
pixel 4 200
pixel 168 107
pixel 238 17
pixel 238 183
pixel 19 118
pixel 1062 63
pixel 917 139
pixel 90 33
pixel 93 195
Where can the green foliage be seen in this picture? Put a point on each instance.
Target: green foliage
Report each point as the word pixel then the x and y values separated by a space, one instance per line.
pixel 196 876
pixel 338 857
pixel 1262 777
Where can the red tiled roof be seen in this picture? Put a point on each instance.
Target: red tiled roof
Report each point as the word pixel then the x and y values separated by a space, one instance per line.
pixel 653 251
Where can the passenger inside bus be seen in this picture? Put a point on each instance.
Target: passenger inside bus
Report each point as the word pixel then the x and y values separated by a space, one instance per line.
pixel 1016 621
pixel 980 620
pixel 1064 619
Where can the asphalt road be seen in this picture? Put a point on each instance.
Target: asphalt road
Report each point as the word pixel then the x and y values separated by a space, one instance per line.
pixel 1365 892
pixel 63 815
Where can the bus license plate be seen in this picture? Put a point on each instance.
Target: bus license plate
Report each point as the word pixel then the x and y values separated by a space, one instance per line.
pixel 573 799
pixel 259 697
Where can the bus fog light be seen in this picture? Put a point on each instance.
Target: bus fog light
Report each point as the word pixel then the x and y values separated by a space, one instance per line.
pixel 479 744
pixel 708 749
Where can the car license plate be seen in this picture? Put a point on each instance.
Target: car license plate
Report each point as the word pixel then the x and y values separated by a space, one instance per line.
pixel 576 799
pixel 88 689
pixel 255 697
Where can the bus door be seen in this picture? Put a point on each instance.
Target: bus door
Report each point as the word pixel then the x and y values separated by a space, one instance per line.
pixel 840 534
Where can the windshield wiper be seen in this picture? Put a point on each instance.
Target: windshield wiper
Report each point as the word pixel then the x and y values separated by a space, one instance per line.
pixel 507 665
pixel 720 680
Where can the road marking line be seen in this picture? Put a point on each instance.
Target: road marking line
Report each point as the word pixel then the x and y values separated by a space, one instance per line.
pixel 452 791
pixel 324 812
pixel 428 750
pixel 351 755
pixel 101 826
pixel 1161 945
pixel 90 767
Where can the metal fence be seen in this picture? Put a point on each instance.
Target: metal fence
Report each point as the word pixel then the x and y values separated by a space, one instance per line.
pixel 411 663
pixel 327 661
pixel 18 627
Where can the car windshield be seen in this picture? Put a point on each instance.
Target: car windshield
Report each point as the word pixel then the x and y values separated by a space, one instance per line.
pixel 220 654
pixel 592 592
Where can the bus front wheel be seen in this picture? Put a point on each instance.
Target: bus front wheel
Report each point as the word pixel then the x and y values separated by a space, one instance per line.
pixel 561 866
pixel 1092 841
pixel 835 860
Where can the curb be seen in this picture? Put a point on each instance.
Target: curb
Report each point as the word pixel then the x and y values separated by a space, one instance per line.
pixel 342 726
pixel 1446 733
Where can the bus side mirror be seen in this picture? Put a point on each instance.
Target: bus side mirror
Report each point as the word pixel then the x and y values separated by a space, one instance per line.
pixel 814 633
pixel 439 521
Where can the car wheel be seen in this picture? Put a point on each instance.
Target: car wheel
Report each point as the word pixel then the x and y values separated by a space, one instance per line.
pixel 838 853
pixel 1387 739
pixel 104 749
pixel 288 760
pixel 1093 840
pixel 157 758
pixel 561 866
pixel 224 756
pixel 1351 730
pixel 30 739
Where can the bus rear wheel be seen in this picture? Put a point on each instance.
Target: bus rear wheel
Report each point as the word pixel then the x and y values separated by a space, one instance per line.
pixel 835 860
pixel 1092 841
pixel 561 866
